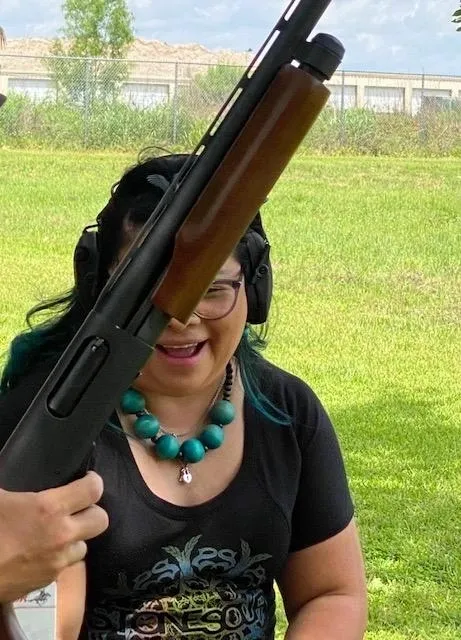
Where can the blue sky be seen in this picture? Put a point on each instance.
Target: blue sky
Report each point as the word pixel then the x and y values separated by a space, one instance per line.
pixel 379 35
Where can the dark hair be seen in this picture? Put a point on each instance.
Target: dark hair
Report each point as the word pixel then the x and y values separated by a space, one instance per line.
pixel 132 201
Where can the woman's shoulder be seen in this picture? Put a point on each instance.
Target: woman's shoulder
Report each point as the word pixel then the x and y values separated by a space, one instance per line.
pixel 293 400
pixel 283 386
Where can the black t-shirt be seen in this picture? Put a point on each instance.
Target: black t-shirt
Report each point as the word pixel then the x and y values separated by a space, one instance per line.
pixel 163 571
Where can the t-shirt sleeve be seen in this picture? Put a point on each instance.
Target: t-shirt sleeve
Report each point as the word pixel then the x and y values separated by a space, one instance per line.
pixel 323 504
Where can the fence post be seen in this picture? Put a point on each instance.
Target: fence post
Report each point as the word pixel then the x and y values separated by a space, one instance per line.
pixel 3 81
pixel 342 121
pixel 423 132
pixel 175 103
pixel 87 102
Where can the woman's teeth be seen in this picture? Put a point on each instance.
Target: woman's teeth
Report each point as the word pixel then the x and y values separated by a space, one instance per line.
pixel 181 351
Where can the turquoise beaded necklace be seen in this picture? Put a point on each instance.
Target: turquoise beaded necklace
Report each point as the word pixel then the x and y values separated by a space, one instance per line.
pixel 166 445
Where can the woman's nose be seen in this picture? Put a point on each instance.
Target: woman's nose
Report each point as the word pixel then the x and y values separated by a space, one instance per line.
pixel 177 325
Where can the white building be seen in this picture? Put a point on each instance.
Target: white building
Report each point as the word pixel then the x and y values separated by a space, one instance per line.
pixel 154 82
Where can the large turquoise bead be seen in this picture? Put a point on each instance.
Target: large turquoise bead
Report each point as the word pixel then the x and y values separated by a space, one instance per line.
pixel 212 436
pixel 146 426
pixel 132 401
pixel 222 412
pixel 167 447
pixel 192 450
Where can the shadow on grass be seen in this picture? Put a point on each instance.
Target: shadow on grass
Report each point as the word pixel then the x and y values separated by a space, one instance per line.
pixel 403 460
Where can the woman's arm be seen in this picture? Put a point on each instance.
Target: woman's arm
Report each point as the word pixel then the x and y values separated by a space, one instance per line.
pixel 324 590
pixel 70 609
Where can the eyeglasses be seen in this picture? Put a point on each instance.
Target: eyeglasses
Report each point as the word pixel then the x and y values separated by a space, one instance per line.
pixel 219 300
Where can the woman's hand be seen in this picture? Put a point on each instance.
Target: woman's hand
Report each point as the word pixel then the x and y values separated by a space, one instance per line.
pixel 43 533
pixel 324 590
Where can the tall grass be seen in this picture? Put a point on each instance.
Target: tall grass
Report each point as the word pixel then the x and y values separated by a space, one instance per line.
pixel 60 125
pixel 116 125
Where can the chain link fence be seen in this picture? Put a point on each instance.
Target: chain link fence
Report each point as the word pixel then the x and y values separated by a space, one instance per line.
pixel 63 102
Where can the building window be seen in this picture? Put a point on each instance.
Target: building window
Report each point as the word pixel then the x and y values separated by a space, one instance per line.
pixel 432 98
pixel 385 99
pixel 342 95
pixel 34 88
pixel 145 95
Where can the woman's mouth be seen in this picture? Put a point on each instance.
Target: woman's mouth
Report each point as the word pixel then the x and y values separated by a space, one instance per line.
pixel 181 351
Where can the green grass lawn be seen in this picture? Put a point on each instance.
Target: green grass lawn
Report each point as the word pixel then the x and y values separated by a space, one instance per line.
pixel 367 308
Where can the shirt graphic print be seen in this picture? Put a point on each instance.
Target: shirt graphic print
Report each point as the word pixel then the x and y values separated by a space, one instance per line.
pixel 205 593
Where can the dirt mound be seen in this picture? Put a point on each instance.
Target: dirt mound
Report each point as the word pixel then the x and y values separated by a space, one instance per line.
pixel 151 58
pixel 143 50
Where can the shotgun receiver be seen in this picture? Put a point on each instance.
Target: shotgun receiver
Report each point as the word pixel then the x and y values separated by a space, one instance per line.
pixel 190 234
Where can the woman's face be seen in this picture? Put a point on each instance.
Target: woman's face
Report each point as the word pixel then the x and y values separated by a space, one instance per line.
pixel 191 357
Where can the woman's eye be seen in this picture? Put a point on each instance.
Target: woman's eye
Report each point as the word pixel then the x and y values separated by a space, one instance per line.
pixel 218 290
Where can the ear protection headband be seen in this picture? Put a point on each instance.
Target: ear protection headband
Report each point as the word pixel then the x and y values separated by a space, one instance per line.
pixel 86 266
pixel 253 251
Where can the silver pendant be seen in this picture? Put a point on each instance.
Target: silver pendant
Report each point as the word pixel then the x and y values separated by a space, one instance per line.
pixel 185 475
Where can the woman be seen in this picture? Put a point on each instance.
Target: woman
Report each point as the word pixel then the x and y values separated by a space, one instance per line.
pixel 204 519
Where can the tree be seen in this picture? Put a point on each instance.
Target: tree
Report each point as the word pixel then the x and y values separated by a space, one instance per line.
pixel 97 29
pixel 457 18
pixel 93 30
pixel 209 89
